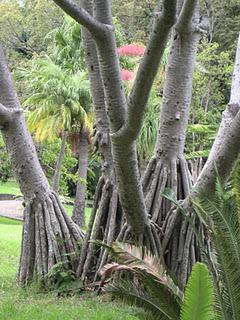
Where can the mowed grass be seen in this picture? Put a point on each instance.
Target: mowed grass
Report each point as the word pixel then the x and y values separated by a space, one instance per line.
pixel 28 304
pixel 10 187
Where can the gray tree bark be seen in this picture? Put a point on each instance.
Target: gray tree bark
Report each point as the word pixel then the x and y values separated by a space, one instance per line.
pixel 49 235
pixel 226 147
pixel 57 172
pixel 223 155
pixel 117 111
pixel 125 117
pixel 106 214
pixel 168 167
pixel 78 215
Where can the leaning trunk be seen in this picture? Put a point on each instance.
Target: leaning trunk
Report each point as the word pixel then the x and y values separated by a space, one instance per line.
pixel 57 172
pixel 79 205
pixel 49 236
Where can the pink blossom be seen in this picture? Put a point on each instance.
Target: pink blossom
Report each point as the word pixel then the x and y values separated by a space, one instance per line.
pixel 131 50
pixel 127 75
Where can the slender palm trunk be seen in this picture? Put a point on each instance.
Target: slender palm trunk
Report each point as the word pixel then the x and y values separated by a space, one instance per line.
pixel 79 205
pixel 57 172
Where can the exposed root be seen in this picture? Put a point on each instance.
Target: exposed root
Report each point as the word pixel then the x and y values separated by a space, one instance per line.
pixel 104 225
pixel 169 235
pixel 177 238
pixel 49 237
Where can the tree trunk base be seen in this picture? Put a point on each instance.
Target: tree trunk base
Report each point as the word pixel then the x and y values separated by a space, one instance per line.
pixel 169 235
pixel 179 242
pixel 49 237
pixel 104 225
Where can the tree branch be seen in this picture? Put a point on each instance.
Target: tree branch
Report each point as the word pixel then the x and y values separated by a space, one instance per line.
pixel 103 11
pixel 115 97
pixel 235 90
pixel 226 147
pixel 74 10
pixel 149 65
pixel 186 15
pixel 8 94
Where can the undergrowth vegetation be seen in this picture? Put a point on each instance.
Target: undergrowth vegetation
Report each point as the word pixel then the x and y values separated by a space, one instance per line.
pixel 26 304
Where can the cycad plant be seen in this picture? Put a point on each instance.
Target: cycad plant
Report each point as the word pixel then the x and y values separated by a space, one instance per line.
pixel 151 288
pixel 221 216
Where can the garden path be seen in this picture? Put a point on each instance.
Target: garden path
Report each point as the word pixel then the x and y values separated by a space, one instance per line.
pixel 11 209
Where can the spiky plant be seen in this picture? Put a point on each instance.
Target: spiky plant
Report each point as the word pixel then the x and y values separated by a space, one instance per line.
pixel 198 295
pixel 151 288
pixel 221 215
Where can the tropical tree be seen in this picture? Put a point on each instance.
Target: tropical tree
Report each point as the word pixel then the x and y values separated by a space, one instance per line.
pixel 125 117
pixel 60 104
pixel 140 220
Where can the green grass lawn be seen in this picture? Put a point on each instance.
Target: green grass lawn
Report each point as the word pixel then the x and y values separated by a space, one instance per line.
pixel 10 187
pixel 28 304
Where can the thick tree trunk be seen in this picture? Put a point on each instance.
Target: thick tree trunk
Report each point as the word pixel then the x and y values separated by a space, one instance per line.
pixel 168 168
pixel 125 117
pixel 106 214
pixel 223 155
pixel 49 235
pixel 57 172
pixel 78 215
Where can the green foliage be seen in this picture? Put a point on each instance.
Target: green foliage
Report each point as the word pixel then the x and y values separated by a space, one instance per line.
pixel 221 216
pixel 58 92
pixel 226 16
pixel 151 288
pixel 24 25
pixel 66 47
pixel 135 16
pixel 48 152
pixel 62 280
pixel 154 290
pixel 148 135
pixel 236 185
pixel 5 164
pixel 29 303
pixel 198 296
pixel 59 101
pixel 211 87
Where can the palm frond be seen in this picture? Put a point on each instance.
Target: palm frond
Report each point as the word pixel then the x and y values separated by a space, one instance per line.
pixel 150 281
pixel 131 294
pixel 198 296
pixel 225 232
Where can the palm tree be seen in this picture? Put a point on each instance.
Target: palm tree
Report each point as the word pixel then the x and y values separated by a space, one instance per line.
pixel 59 103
